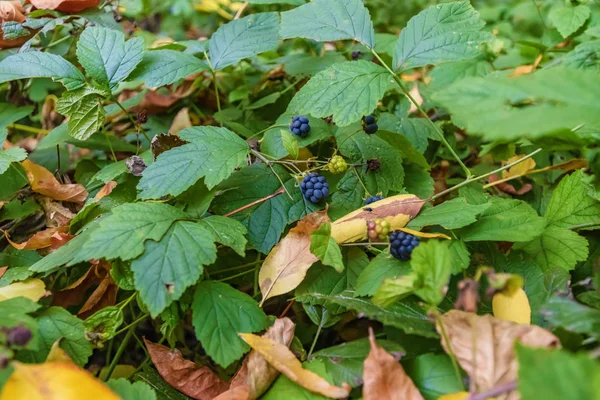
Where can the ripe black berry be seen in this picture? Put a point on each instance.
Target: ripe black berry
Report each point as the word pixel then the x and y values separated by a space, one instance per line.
pixel 300 126
pixel 18 336
pixel 370 124
pixel 314 188
pixel 402 244
pixel 372 199
pixel 356 55
pixel 370 119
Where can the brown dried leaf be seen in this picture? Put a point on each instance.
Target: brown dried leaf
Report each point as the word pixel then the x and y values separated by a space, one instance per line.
pixel 280 357
pixel 42 181
pixel 40 240
pixel 66 6
pixel 164 142
pixel 286 265
pixel 508 187
pixel 75 293
pixel 181 121
pixel 196 382
pixel 106 190
pixel 236 393
pixel 56 213
pixel 384 377
pixel 256 374
pixel 11 11
pixel 484 347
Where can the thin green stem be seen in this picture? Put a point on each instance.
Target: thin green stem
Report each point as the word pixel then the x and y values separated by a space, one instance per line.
pixel 251 264
pixel 314 342
pixel 238 275
pixel 360 181
pixel 539 13
pixel 424 114
pixel 266 129
pixel 269 164
pixel 59 41
pixel 214 74
pixel 134 323
pixel 112 151
pixel 29 129
pixel 118 354
pixel 126 301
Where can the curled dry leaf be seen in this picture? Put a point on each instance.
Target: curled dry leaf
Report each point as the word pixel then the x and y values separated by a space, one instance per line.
pixel 286 265
pixel 42 181
pixel 196 382
pixel 54 380
pixel 11 11
pixel 256 375
pixel 397 210
pixel 40 240
pixel 282 359
pixel 33 289
pixel 56 213
pixel 425 235
pixel 484 347
pixel 384 377
pixel 66 6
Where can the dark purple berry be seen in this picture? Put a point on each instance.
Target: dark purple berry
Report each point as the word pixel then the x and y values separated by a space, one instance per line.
pixel 371 128
pixel 18 336
pixel 402 245
pixel 370 119
pixel 314 188
pixel 300 126
pixel 372 199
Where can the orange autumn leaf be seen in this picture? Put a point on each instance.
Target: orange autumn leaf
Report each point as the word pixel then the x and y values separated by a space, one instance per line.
pixel 40 240
pixel 54 381
pixel 282 359
pixel 384 377
pixel 105 190
pixel 237 393
pixel 67 6
pixel 42 181
pixel 59 239
pixel 197 382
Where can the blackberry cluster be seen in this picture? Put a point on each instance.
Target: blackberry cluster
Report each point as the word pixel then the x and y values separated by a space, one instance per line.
pixel 378 229
pixel 300 126
pixel 337 165
pixel 402 244
pixel 373 199
pixel 370 124
pixel 314 188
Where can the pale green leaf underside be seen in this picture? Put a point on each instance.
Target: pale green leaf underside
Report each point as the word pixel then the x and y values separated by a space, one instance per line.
pixel 347 91
pixel 213 153
pixel 329 20
pixel 163 67
pixel 442 33
pixel 34 64
pixel 243 38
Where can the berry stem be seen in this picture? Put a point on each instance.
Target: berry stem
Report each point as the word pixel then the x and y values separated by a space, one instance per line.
pixel 424 114
pixel 255 202
pixel 266 129
pixel 214 74
pixel 270 165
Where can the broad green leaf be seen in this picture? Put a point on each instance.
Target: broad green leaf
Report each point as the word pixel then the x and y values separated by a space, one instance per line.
pixel 385 43
pixel 284 388
pixel 442 33
pixel 348 197
pixel 407 315
pixel 243 38
pixel 394 290
pixel 325 248
pixel 35 64
pixel 557 375
pixel 289 143
pixel 304 64
pixel 572 316
pixel 123 233
pixel 85 111
pixel 104 323
pixel 116 169
pixel 347 91
pixel 131 391
pixel 163 67
pixel 461 258
pixel 168 267
pixel 382 267
pixel 432 262
pixel 557 247
pixel 568 18
pixel 292 2
pixel 585 55
pixel 433 375
pixel 418 181
pixel 98 141
pixel 212 153
pixel 451 214
pixel 403 144
pixel 226 231
pixel 10 113
pixel 219 313
pixel 57 323
pixel 329 20
pixel 505 220
pixel 278 144
pixel 13 154
pixel 14 312
pixel 416 130
pixel 504 109
pixel 444 75
pixel 571 203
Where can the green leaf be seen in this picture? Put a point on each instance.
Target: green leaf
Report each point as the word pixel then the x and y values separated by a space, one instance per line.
pixel 212 153
pixel 106 56
pixel 557 247
pixel 572 316
pixel 556 375
pixel 98 141
pixel 505 220
pixel 278 144
pixel 568 19
pixel 382 267
pixel 220 312
pixel 284 388
pixel 131 391
pixel 35 64
pixel 571 203
pixel 433 375
pixel 103 324
pixel 163 390
pixel 169 266
pixel 461 258
pixel 289 143
pixel 84 107
pixel 416 130
pixel 407 315
pixel 329 20
pixel 444 75
pixel 10 113
pixel 163 67
pixel 227 231
pixel 243 38
pixel 13 154
pixel 403 144
pixel 432 261
pixel 325 248
pixel 506 109
pixel 418 181
pixel 347 91
pixel 14 312
pixel 585 55
pixel 451 214
pixel 442 33
pixel 393 290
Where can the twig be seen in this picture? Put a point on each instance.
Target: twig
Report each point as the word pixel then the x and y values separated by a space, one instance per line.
pixel 263 159
pixel 238 14
pixel 493 392
pixel 255 202
pixel 287 308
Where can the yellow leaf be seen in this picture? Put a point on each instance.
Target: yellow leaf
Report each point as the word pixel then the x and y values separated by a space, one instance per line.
pixel 54 381
pixel 58 354
pixel 455 396
pixel 425 235
pixel 397 210
pixel 287 263
pixel 282 359
pixel 520 169
pixel 33 289
pixel 512 307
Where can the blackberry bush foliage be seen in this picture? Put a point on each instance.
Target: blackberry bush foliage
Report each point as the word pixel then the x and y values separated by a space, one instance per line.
pixel 184 182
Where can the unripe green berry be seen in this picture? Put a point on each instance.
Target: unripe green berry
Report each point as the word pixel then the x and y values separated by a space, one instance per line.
pixel 337 165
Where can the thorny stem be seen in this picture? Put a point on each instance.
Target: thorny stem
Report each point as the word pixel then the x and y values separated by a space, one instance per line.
pixel 449 347
pixel 255 202
pixel 476 178
pixel 495 391
pixel 424 114
pixel 269 164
